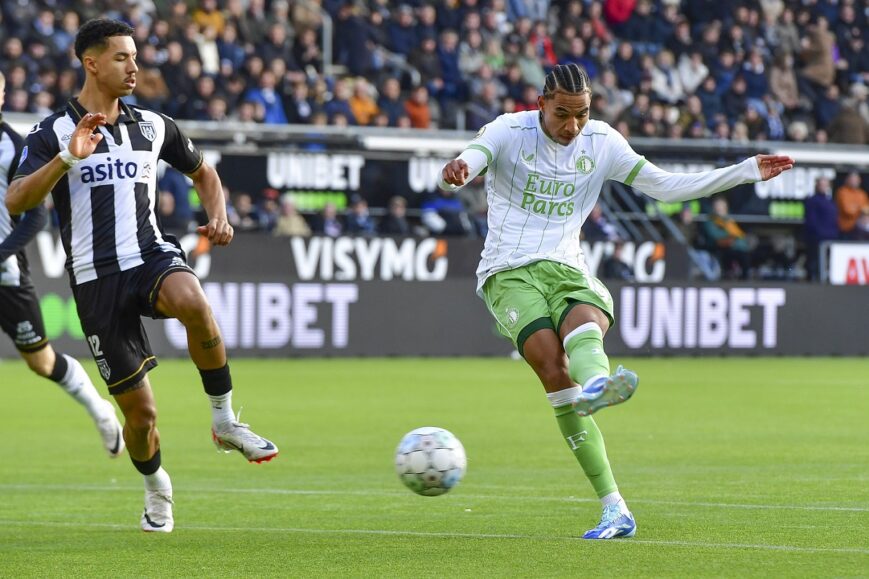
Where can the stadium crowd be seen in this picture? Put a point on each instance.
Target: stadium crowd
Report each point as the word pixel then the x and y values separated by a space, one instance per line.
pixel 740 70
pixel 728 69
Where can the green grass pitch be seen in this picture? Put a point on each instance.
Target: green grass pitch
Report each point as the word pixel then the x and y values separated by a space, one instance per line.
pixel 732 467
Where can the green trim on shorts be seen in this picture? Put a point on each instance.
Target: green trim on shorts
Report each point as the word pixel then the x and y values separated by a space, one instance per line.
pixel 572 304
pixel 525 333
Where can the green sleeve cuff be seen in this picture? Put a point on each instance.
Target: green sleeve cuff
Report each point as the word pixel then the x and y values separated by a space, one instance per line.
pixel 487 152
pixel 635 171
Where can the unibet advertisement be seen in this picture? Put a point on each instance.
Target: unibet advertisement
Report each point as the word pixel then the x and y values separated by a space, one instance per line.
pixel 279 297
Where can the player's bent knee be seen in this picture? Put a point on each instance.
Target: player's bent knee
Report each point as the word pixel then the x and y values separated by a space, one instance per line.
pixel 142 420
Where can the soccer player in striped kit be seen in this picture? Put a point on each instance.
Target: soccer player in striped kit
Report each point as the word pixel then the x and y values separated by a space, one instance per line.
pixel 99 159
pixel 545 170
pixel 20 314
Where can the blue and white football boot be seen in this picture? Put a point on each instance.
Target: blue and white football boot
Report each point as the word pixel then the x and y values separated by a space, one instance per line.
pixel 606 391
pixel 614 523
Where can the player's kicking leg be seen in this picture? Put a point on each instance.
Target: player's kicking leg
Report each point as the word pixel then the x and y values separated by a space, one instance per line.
pixel 588 368
pixel 180 296
pixel 67 373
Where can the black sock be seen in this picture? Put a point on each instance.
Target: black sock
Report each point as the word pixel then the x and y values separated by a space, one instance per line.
pixel 60 368
pixel 149 466
pixel 217 382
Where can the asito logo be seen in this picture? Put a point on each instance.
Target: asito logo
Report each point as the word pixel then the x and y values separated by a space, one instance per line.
pixel 109 170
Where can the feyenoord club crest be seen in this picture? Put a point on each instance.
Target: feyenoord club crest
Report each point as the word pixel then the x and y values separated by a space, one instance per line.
pixel 148 130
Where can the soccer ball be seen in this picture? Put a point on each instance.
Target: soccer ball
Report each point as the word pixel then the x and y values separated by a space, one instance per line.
pixel 430 461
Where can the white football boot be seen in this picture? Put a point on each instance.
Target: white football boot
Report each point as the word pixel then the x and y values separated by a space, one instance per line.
pixel 157 517
pixel 238 436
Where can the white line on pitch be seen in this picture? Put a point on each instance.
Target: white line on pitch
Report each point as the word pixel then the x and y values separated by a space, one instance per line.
pixel 399 533
pixel 373 493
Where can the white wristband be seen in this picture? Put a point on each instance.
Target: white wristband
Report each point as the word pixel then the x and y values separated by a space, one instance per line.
pixel 68 158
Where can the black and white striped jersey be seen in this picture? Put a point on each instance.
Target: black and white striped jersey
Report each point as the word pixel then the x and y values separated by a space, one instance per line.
pixel 107 203
pixel 10 151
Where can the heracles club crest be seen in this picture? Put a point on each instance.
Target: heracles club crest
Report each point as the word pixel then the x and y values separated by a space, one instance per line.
pixel 148 130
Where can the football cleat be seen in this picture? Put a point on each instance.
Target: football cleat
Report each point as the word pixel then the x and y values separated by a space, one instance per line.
pixel 111 431
pixel 606 391
pixel 238 436
pixel 157 517
pixel 614 523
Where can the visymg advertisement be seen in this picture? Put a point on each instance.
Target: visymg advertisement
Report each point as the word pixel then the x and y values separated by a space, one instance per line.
pixel 278 297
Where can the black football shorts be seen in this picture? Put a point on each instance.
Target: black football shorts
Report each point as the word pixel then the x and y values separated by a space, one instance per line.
pixel 21 318
pixel 110 309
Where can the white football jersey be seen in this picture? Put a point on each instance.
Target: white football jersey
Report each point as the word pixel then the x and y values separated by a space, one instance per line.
pixel 541 192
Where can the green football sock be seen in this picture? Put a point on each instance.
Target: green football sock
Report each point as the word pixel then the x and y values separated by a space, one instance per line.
pixel 584 347
pixel 585 440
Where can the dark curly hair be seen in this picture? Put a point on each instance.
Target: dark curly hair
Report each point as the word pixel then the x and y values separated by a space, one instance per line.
pixel 95 32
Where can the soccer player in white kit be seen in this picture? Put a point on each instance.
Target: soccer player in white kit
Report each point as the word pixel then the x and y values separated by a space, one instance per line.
pixel 544 172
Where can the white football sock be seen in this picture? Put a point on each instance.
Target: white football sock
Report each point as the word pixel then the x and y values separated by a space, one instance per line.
pixel 78 384
pixel 221 410
pixel 159 480
pixel 615 498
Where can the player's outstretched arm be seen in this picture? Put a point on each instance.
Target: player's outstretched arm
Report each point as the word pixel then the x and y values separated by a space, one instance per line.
pixel 208 185
pixel 673 187
pixel 27 192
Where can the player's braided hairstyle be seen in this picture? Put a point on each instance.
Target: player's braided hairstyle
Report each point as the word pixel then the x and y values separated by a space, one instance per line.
pixel 95 32
pixel 570 78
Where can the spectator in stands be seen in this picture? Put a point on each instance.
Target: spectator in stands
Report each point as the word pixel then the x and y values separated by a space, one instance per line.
pixel 426 61
pixel 395 222
pixel 485 108
pixel 179 186
pixel 359 220
pixel 529 64
pixel 849 125
pixel 819 70
pixel 783 81
pixel 328 222
pixel 444 214
pixel 362 103
pixel 402 31
pixel 727 241
pixel 230 49
pixel 702 261
pixel 613 266
pixel 169 219
pixel 626 67
pixel 245 217
pixel 577 54
pixel 735 100
pixel 351 40
pixel 597 227
pixel 692 71
pixel 291 223
pixel 306 51
pixel 268 98
pixel 298 105
pixel 417 108
pixel 339 104
pixel 390 102
pixel 852 202
pixel 821 224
